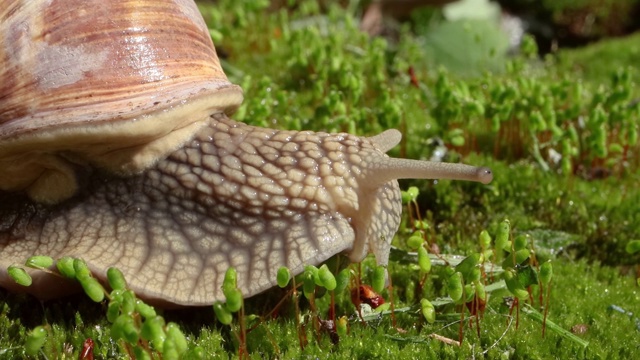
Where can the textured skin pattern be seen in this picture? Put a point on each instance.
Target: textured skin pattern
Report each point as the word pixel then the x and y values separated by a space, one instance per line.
pixel 236 195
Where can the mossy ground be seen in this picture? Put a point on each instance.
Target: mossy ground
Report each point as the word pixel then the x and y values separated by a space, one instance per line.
pixel 300 69
pixel 583 293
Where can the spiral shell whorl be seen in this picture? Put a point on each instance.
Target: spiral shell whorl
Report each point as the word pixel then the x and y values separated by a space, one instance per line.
pixel 119 84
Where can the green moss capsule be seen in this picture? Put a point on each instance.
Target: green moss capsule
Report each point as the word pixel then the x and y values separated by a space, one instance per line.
pixel 469 292
pixel 230 281
pixel 379 278
pixel 522 255
pixel 480 290
pixel 113 311
pixel 406 198
pixel 428 311
pixel 124 328
pixel 92 288
pixel 128 305
pixel 474 275
pixel 520 242
pixel 19 275
pixel 413 192
pixel 140 353
pixel 467 266
pixel 546 272
pixel 566 165
pixel 514 285
pixel 35 340
pixel 283 276
pixel 415 241
pixel 314 272
pixel 327 278
pixel 234 299
pixel 484 239
pixel 502 237
pixel 222 313
pixel 81 269
pixel 65 267
pixel 177 337
pixel 342 280
pixel 308 284
pixel 455 286
pixel 487 255
pixel 145 310
pixel 39 262
pixel 169 350
pixel 495 123
pixel 116 279
pixel 341 326
pixel 424 261
pixel 633 246
pixel 116 296
pixel 153 330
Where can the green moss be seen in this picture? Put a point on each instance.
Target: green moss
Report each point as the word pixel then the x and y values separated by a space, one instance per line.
pixel 588 301
pixel 596 61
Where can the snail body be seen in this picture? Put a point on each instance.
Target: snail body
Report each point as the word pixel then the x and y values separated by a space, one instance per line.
pixel 174 211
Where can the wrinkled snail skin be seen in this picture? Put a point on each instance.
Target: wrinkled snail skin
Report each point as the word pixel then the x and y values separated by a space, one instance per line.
pixel 137 165
pixel 236 195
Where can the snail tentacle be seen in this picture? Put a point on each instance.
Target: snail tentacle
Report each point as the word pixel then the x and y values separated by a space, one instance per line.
pixel 386 140
pixel 385 169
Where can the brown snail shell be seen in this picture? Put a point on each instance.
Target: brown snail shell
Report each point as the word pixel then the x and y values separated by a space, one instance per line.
pixel 115 84
pixel 113 123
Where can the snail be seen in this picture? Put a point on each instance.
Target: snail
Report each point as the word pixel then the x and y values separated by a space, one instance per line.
pixel 116 147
